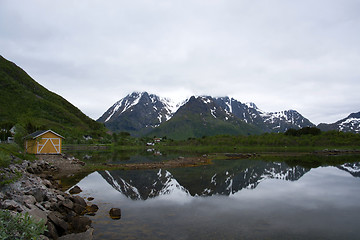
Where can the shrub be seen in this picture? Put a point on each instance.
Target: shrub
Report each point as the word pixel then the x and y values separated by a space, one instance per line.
pixel 4 159
pixel 20 226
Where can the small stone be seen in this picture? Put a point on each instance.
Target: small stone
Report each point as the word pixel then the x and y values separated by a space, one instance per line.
pixel 92 209
pixel 47 183
pixel 47 205
pixel 79 209
pixel 90 198
pixel 68 204
pixel 29 199
pixel 115 213
pixel 60 197
pixel 75 190
pixel 79 200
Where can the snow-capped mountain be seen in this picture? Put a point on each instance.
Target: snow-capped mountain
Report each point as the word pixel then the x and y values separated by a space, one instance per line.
pixel 138 113
pixel 284 120
pixel 348 124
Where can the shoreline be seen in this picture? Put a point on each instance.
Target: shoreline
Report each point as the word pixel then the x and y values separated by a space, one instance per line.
pixel 36 192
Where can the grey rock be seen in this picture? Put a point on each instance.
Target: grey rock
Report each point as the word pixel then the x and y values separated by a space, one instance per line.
pixel 80 223
pixel 38 194
pixel 79 200
pixel 59 223
pixel 47 183
pixel 51 231
pixel 60 197
pixel 67 203
pixel 29 199
pixel 40 206
pixel 47 205
pixel 88 235
pixel 79 209
pixel 37 213
pixel 10 204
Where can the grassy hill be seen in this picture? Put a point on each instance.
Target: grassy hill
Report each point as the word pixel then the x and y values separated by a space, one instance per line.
pixel 23 101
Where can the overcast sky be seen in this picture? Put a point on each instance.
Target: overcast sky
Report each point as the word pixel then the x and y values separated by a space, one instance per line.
pixel 279 54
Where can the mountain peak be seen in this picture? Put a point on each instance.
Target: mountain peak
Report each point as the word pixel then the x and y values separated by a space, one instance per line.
pixel 138 113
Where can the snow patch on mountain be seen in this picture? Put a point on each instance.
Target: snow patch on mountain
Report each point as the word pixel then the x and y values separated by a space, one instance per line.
pixel 352 124
pixel 124 104
pixel 171 107
pixel 252 105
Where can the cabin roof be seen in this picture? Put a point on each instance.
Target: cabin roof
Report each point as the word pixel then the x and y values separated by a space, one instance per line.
pixel 41 132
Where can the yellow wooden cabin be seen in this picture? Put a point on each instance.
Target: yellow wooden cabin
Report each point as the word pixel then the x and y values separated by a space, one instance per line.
pixel 43 142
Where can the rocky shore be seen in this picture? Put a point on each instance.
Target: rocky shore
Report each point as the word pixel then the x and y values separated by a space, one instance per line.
pixel 42 197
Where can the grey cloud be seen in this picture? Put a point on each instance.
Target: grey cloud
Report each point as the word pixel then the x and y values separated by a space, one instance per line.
pixel 279 54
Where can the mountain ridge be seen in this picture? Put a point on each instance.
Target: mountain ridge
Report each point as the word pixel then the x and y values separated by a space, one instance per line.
pixel 349 124
pixel 248 118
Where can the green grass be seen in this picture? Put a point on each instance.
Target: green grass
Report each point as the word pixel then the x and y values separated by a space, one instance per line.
pixel 8 150
pixel 268 142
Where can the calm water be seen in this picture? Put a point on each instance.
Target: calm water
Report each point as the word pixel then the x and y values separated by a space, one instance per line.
pixel 231 199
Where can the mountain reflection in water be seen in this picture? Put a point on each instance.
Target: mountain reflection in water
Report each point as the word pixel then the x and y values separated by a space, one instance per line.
pixel 210 202
pixel 207 181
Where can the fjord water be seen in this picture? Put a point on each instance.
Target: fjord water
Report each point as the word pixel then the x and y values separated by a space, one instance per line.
pixel 230 199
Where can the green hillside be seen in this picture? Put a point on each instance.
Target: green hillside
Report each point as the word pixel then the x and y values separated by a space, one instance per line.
pixel 194 120
pixel 24 101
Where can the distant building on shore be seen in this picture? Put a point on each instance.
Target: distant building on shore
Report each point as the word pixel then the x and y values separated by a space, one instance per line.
pixel 43 142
